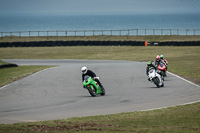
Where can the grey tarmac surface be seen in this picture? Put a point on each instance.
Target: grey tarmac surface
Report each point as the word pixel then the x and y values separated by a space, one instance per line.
pixel 57 92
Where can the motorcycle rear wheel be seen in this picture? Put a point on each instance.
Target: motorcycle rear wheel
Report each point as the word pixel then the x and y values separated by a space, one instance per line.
pixel 162 85
pixel 103 91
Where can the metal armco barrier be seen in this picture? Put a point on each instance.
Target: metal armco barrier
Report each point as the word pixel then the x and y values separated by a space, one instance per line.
pixel 127 32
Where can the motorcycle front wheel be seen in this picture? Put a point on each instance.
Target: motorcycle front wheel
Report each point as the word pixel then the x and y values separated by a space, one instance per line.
pixel 156 81
pixel 92 92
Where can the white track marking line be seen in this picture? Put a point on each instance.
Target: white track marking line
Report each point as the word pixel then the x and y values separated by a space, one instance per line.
pixel 183 79
pixel 178 104
pixel 28 75
pixel 171 106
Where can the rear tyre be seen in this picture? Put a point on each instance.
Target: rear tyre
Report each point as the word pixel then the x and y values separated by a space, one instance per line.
pixel 103 91
pixel 162 84
pixel 162 77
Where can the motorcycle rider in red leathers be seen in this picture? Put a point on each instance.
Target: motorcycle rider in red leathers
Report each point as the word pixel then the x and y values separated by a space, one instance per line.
pixel 164 60
pixel 158 61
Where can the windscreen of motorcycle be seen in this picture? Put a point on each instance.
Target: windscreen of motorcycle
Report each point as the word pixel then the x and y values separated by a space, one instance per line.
pixel 86 77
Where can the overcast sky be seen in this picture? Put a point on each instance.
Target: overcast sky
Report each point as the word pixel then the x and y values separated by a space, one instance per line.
pixel 99 6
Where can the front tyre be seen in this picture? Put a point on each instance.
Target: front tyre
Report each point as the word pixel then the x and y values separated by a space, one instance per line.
pixel 156 81
pixel 92 92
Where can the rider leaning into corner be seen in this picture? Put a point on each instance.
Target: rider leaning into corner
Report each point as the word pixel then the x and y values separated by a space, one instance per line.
pixel 90 73
pixel 149 66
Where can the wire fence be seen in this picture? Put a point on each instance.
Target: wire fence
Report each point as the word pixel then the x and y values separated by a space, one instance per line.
pixel 129 32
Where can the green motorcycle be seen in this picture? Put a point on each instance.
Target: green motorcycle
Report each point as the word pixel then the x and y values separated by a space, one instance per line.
pixel 93 87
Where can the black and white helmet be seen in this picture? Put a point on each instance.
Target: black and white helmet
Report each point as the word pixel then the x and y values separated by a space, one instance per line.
pixel 84 70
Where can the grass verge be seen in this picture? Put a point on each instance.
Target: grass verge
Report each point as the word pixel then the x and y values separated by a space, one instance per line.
pixel 151 38
pixel 2 62
pixel 179 119
pixel 8 75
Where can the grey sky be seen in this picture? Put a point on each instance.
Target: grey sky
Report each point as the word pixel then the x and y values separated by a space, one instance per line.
pixel 99 6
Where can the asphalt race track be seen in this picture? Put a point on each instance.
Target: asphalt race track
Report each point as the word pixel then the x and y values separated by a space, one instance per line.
pixel 57 92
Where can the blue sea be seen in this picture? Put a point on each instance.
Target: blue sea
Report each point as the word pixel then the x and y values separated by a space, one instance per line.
pixel 39 22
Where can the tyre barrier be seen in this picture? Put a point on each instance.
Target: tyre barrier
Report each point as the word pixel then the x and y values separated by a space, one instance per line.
pixel 175 43
pixel 8 65
pixel 96 43
pixel 71 43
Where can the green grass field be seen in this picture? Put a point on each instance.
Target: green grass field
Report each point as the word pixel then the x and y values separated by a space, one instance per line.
pixel 183 61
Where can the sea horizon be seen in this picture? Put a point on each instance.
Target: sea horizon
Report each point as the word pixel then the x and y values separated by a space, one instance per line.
pixel 52 22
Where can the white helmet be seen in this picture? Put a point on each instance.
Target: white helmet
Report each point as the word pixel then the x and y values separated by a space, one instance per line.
pixel 84 70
